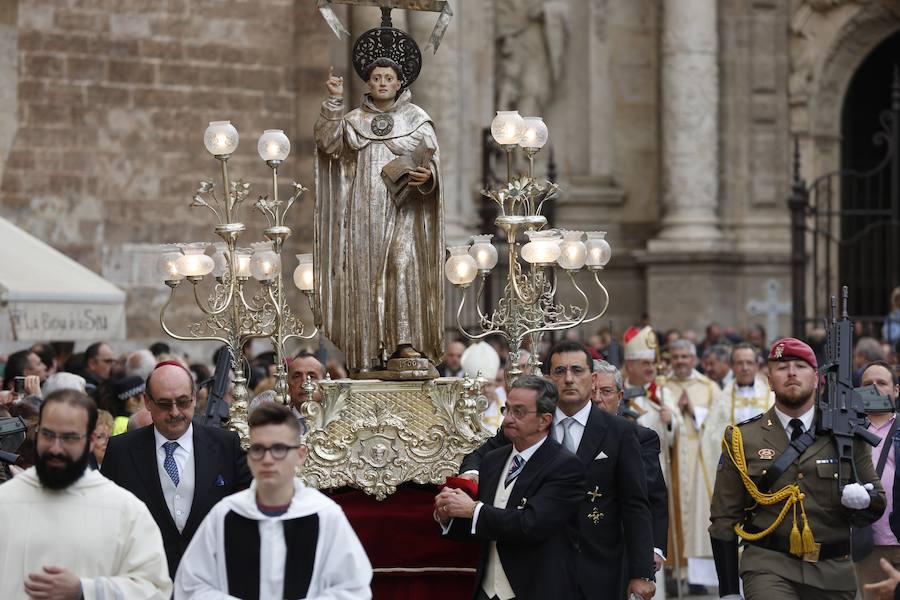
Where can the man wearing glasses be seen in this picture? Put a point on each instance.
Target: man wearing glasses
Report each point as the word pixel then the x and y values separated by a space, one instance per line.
pixel 68 532
pixel 179 469
pixel 279 539
pixel 615 533
pixel 529 491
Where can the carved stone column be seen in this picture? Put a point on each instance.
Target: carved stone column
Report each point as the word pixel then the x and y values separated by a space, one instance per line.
pixel 690 108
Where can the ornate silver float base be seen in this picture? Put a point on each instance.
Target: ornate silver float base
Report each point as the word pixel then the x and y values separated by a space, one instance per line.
pixel 375 435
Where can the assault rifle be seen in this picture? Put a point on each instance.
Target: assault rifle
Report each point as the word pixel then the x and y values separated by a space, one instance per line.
pixel 841 406
pixel 12 434
pixel 216 408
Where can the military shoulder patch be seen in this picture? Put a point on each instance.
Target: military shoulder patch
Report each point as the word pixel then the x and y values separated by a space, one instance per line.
pixel 751 419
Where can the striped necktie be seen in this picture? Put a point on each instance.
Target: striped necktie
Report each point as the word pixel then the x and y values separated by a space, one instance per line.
pixel 514 469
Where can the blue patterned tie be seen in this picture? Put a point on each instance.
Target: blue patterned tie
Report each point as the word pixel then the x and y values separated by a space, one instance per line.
pixel 514 469
pixel 169 464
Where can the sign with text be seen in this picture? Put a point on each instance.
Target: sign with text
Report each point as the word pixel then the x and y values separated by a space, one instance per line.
pixel 62 321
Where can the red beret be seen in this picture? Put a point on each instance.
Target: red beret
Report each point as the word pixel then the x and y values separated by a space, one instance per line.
pixel 793 349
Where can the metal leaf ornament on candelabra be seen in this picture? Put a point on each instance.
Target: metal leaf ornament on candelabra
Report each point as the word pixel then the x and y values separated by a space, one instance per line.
pixel 232 315
pixel 529 306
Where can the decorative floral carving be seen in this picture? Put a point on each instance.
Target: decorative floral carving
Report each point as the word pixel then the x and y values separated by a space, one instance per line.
pixel 376 435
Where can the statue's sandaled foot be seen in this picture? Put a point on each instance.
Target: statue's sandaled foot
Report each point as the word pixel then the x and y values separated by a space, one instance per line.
pixel 405 351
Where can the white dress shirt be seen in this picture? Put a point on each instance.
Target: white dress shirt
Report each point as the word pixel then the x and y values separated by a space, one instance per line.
pixel 180 498
pixel 806 418
pixel 576 429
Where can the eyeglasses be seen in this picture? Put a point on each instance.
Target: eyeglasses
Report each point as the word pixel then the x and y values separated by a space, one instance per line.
pixel 607 391
pixel 181 403
pixel 561 370
pixel 278 451
pixel 64 438
pixel 516 411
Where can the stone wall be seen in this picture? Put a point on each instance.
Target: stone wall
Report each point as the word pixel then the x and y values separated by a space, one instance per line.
pixel 113 99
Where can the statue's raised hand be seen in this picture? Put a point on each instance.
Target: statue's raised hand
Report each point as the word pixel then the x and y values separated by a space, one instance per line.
pixel 334 84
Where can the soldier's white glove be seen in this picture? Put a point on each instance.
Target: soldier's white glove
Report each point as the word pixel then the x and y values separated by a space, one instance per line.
pixel 856 496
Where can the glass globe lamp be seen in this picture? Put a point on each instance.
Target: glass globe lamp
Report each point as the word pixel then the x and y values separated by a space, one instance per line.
pixel 507 127
pixel 460 268
pixel 194 262
pixel 273 145
pixel 304 276
pixel 535 135
pixel 572 251
pixel 265 264
pixel 542 248
pixel 484 253
pixel 220 138
pixel 598 250
pixel 167 264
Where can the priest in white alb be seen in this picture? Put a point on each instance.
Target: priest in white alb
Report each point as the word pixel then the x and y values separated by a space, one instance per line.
pixel 696 395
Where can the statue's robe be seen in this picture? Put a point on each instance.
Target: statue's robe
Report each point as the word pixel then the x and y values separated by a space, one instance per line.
pixel 379 266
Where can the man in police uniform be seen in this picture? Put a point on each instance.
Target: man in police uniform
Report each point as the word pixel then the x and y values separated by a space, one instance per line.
pixel 797 527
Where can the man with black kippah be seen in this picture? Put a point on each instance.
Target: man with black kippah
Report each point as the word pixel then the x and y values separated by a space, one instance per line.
pixel 792 516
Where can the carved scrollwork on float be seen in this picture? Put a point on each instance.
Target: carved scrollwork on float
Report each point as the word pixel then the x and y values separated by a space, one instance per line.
pixel 375 435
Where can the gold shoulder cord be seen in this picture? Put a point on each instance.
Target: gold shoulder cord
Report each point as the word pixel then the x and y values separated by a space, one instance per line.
pixel 789 494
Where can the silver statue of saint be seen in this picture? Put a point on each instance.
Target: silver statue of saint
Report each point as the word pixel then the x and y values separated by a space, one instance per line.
pixel 379 226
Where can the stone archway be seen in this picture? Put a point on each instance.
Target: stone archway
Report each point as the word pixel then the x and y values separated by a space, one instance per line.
pixel 830 40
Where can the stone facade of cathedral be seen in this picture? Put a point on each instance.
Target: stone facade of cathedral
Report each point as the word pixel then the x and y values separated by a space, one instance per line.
pixel 671 126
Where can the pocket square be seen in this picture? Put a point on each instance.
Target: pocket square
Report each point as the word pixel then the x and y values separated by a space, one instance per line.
pixel 601 456
pixel 220 481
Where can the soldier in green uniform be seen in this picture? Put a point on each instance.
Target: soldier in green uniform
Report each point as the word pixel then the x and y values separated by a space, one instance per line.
pixel 795 528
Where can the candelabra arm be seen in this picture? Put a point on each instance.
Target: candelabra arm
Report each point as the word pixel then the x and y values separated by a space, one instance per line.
pixel 212 311
pixel 566 323
pixel 184 338
pixel 226 190
pixel 313 333
pixel 605 304
pixel 478 297
pixel 474 336
pixel 248 305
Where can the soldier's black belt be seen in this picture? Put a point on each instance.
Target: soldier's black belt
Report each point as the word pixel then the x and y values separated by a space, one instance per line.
pixel 828 551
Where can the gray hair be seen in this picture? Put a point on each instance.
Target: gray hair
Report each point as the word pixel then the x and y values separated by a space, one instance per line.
pixel 870 348
pixel 63 381
pixel 720 351
pixel 261 398
pixel 601 366
pixel 547 396
pixel 140 364
pixel 683 344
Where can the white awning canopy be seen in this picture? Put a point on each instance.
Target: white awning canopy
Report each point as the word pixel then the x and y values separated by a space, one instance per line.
pixel 45 295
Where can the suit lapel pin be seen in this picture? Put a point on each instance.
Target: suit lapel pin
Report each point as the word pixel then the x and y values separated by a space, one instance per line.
pixel 595 516
pixel 522 503
pixel 769 423
pixel 766 453
pixel 595 493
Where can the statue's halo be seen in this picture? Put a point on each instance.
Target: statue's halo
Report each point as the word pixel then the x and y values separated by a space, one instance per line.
pixel 388 42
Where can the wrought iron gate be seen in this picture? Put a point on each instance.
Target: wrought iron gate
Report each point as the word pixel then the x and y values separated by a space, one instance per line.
pixel 846 231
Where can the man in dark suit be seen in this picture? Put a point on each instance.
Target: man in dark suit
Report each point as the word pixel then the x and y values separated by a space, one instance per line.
pixel 608 395
pixel 527 499
pixel 179 469
pixel 614 515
